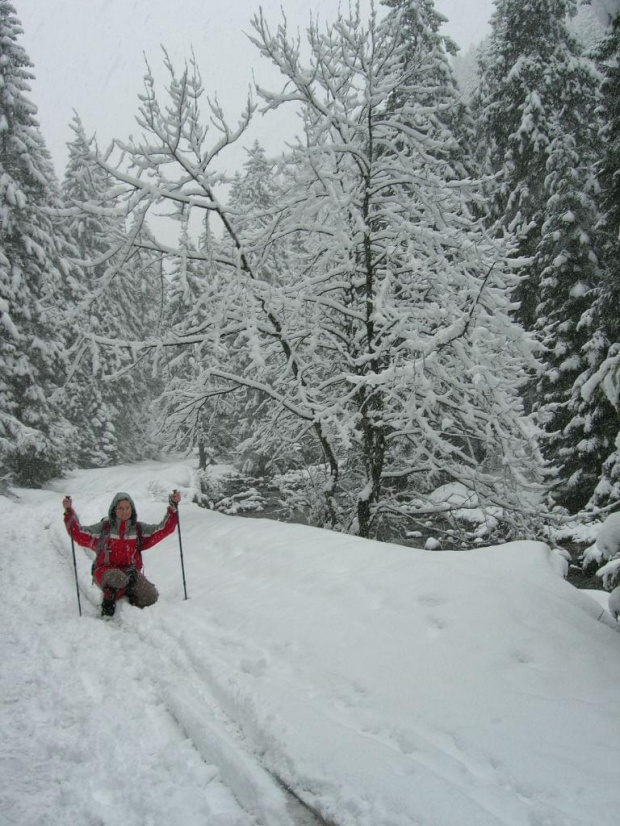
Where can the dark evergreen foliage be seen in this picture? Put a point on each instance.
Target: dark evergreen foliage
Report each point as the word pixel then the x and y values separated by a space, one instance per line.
pixel 582 304
pixel 537 108
pixel 599 425
pixel 535 91
pixel 120 295
pixel 33 271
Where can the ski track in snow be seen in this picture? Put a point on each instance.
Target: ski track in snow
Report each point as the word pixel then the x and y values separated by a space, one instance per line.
pixel 197 648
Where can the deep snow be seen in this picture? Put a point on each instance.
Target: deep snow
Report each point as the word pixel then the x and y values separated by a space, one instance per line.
pixel 386 686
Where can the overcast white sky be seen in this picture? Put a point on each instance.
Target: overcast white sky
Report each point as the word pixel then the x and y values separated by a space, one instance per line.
pixel 88 55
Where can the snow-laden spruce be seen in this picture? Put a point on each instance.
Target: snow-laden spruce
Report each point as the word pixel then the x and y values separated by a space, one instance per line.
pixel 601 383
pixel 35 277
pixel 539 108
pixel 121 297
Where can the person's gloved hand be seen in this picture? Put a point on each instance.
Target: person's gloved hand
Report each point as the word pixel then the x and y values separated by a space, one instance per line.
pixel 175 498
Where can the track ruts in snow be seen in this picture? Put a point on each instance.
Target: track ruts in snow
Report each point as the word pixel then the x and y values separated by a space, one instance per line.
pixel 216 735
pixel 301 813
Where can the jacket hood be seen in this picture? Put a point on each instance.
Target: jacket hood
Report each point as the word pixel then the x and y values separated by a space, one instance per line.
pixel 117 498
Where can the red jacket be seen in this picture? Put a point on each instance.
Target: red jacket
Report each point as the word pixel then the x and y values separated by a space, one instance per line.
pixel 115 542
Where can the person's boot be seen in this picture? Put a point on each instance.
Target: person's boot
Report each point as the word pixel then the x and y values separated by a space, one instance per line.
pixel 108 606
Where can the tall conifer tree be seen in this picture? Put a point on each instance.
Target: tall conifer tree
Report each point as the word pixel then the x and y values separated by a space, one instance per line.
pixel 92 414
pixel 120 295
pixel 596 401
pixel 535 91
pixel 427 59
pixel 537 122
pixel 33 274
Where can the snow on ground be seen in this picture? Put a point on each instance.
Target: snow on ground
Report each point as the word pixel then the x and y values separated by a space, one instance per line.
pixel 384 685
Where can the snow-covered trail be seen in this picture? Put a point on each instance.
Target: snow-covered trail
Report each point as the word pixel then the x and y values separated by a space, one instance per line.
pixel 384 686
pixel 109 722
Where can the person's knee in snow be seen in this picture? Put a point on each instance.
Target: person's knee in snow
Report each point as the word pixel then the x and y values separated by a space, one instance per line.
pixel 141 592
pixel 114 578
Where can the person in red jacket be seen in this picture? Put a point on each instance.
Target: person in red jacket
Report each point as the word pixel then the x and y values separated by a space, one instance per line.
pixel 118 542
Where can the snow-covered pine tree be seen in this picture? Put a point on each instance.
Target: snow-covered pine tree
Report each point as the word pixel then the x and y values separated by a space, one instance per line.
pixel 537 120
pixel 466 70
pixel 254 203
pixel 219 418
pixel 569 285
pixel 255 192
pixel 596 401
pixel 95 444
pixel 33 272
pixel 191 412
pixel 535 88
pixel 428 54
pixel 120 297
pixel 581 418
pixel 134 307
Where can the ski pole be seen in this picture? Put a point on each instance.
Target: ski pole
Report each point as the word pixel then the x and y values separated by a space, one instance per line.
pixel 181 549
pixel 77 587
